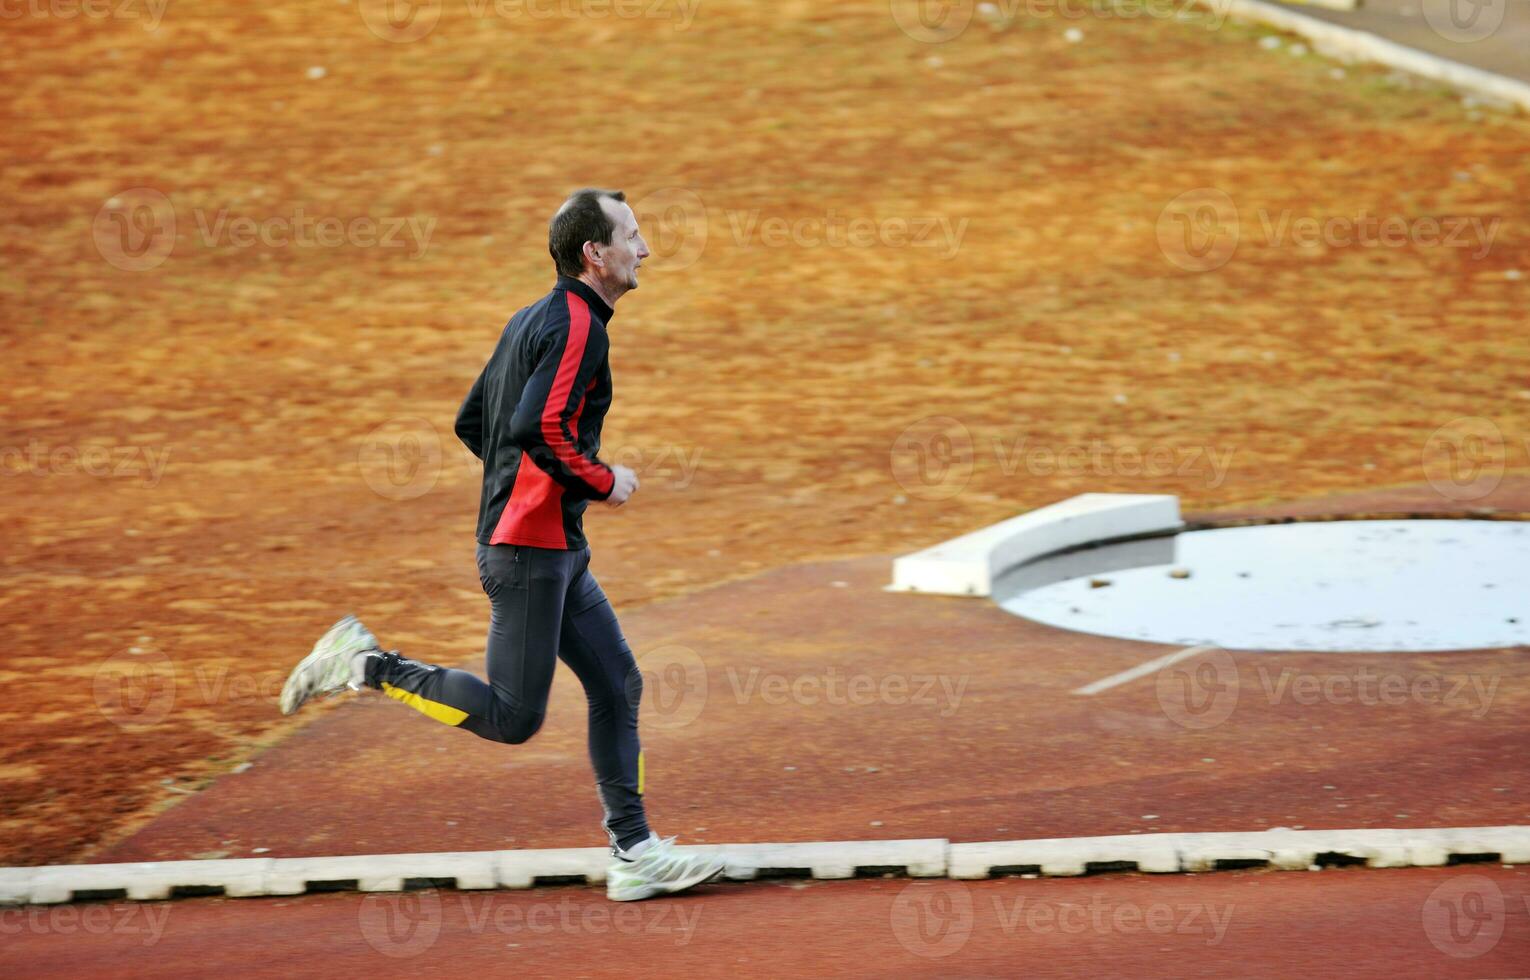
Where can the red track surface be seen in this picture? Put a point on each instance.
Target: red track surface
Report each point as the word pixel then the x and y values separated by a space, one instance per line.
pixel 1471 921
pixel 962 727
pixel 997 748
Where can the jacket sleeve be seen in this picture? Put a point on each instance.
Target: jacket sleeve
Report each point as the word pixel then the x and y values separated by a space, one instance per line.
pixel 470 417
pixel 543 425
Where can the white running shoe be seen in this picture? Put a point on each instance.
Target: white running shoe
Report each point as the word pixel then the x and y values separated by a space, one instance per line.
pixel 330 668
pixel 660 868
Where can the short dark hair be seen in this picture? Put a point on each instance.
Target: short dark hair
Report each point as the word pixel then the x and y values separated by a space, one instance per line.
pixel 581 219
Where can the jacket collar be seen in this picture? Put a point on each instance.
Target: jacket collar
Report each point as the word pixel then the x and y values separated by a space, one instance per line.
pixel 587 294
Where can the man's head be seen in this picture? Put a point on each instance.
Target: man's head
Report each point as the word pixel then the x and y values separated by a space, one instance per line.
pixel 594 237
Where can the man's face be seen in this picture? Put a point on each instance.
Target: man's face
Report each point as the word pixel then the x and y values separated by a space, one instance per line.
pixel 621 258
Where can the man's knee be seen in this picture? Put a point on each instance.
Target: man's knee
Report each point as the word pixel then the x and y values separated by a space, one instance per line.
pixel 611 701
pixel 515 725
pixel 523 731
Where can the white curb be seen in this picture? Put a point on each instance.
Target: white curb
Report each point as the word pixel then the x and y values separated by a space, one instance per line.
pixel 381 872
pixel 968 565
pixel 916 858
pixel 1330 4
pixel 1155 853
pixel 1348 43
pixel 1286 850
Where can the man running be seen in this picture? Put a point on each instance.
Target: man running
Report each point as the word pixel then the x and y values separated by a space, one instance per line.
pixel 534 417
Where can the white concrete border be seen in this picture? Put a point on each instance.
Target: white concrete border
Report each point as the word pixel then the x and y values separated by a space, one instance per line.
pixel 968 565
pixel 1330 4
pixel 1352 44
pixel 1288 850
pixel 930 858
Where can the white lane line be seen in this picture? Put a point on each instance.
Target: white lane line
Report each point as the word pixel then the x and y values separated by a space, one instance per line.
pixel 1142 670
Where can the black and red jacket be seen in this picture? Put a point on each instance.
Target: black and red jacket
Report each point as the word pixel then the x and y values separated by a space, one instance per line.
pixel 542 396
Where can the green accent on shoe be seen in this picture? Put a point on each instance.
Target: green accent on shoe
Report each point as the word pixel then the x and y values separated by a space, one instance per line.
pixel 328 669
pixel 662 869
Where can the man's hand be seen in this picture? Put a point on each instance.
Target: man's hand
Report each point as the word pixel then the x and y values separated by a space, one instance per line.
pixel 623 486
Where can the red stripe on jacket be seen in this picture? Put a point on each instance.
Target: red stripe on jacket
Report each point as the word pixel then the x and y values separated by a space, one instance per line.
pixel 552 412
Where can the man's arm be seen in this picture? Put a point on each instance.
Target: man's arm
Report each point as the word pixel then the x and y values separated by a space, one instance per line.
pixel 470 417
pixel 543 421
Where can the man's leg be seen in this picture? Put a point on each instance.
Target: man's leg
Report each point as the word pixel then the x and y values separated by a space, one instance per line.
pixel 642 865
pixel 593 647
pixel 526 589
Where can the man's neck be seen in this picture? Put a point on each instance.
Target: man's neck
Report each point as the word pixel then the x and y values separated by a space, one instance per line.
pixel 600 290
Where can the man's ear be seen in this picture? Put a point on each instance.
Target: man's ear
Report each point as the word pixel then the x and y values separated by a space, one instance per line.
pixel 591 254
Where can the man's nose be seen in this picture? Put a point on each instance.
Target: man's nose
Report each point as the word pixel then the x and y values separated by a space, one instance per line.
pixel 643 252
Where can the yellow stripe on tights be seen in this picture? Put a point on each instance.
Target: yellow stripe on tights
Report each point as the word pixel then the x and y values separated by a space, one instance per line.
pixel 640 772
pixel 443 713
